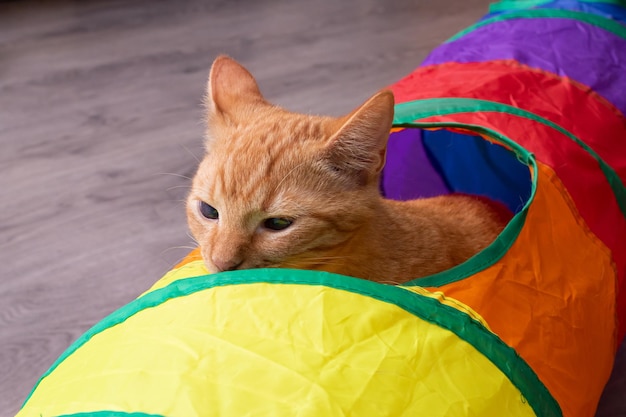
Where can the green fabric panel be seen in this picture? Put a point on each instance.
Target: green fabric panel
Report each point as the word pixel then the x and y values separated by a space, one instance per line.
pixel 414 110
pixel 429 309
pixel 592 19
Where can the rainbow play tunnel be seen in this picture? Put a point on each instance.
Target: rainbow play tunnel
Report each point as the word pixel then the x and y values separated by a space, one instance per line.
pixel 526 107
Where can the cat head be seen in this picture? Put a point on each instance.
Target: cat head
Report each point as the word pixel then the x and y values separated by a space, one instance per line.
pixel 281 189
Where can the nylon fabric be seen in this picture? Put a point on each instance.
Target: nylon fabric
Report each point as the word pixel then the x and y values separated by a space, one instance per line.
pixel 472 165
pixel 406 161
pixel 550 297
pixel 611 9
pixel 549 13
pixel 276 349
pixel 605 9
pixel 570 105
pixel 585 53
pixel 583 179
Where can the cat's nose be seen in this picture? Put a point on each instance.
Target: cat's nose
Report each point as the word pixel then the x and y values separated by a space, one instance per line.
pixel 227 264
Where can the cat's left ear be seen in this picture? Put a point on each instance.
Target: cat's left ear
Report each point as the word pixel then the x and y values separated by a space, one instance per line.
pixel 229 87
pixel 359 145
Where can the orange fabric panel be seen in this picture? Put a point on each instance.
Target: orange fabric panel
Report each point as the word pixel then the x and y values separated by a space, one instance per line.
pixel 194 255
pixel 579 172
pixel 549 297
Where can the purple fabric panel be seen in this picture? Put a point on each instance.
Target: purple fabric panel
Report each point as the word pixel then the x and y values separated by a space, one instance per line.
pixel 408 173
pixel 583 52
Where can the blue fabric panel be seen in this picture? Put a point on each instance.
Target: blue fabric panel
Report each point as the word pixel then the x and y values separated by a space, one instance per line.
pixel 469 164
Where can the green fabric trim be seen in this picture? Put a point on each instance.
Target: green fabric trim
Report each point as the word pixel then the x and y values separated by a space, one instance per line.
pixel 499 247
pixel 515 5
pixel 621 3
pixel 429 309
pixel 592 19
pixel 506 5
pixel 110 414
pixel 414 110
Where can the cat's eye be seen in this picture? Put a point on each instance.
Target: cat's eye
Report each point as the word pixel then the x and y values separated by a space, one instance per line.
pixel 208 211
pixel 277 223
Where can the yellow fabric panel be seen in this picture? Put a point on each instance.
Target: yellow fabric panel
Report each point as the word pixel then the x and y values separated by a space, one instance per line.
pixel 549 298
pixel 192 267
pixel 277 350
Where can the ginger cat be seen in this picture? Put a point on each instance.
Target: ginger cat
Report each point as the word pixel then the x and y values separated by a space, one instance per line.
pixel 280 189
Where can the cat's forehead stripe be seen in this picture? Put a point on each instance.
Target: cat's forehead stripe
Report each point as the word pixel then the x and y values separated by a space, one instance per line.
pixel 254 163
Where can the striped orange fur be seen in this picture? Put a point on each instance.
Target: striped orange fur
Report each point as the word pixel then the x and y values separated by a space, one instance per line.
pixel 280 189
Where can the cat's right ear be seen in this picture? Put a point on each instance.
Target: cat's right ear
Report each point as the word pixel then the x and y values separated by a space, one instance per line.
pixel 229 87
pixel 358 147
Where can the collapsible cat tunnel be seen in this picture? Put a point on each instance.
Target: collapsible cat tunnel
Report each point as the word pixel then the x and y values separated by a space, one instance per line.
pixel 526 107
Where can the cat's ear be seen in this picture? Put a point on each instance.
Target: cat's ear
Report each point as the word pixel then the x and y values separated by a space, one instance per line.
pixel 359 145
pixel 230 85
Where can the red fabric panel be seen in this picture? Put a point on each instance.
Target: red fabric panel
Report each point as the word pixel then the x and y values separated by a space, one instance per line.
pixel 561 100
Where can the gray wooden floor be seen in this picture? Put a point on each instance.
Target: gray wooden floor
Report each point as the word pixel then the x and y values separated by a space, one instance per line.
pixel 100 128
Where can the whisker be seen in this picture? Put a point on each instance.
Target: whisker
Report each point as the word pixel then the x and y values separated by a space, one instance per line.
pixel 329 258
pixel 178 186
pixel 180 258
pixel 389 282
pixel 194 156
pixel 306 263
pixel 193 239
pixel 171 248
pixel 173 174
